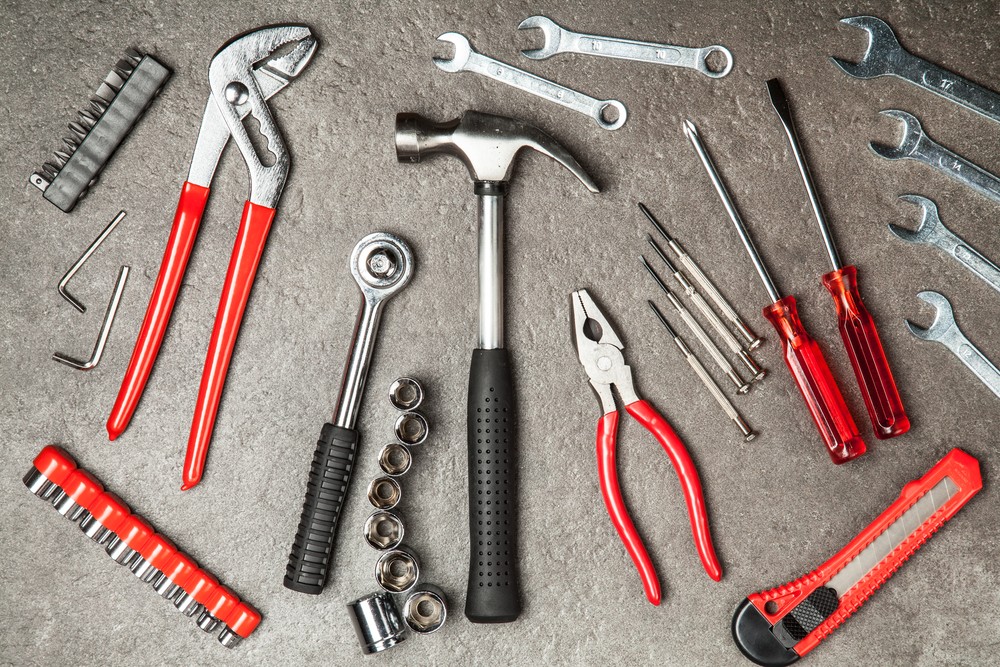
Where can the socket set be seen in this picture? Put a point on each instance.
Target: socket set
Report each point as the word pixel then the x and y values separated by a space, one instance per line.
pixel 115 108
pixel 131 541
pixel 377 619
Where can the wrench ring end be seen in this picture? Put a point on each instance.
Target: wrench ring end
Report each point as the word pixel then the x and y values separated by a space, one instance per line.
pixel 603 106
pixel 703 61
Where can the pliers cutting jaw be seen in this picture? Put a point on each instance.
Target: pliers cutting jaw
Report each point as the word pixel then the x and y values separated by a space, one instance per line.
pixel 600 352
pixel 243 74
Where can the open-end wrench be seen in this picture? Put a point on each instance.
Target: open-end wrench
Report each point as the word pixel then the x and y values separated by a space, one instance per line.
pixel 560 40
pixel 916 145
pixel 467 59
pixel 944 330
pixel 932 231
pixel 886 57
pixel 382 264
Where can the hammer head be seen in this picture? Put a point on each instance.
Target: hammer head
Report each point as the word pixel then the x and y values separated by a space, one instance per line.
pixel 486 143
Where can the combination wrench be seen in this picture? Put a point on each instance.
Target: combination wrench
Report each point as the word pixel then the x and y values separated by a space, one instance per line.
pixel 931 231
pixel 382 264
pixel 560 40
pixel 886 57
pixel 467 59
pixel 916 145
pixel 944 330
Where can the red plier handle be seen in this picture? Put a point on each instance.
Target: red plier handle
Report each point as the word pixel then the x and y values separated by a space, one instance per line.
pixel 607 430
pixel 187 219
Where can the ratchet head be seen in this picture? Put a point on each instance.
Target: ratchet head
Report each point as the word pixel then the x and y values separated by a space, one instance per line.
pixel 882 47
pixel 912 135
pixel 485 143
pixel 382 265
pixel 600 352
pixel 463 51
pixel 944 318
pixel 551 34
pixel 930 223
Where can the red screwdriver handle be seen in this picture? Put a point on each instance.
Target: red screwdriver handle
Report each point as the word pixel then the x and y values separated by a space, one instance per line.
pixel 815 381
pixel 250 240
pixel 885 407
pixel 187 219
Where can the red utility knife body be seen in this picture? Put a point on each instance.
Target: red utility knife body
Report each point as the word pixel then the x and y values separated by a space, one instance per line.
pixel 779 626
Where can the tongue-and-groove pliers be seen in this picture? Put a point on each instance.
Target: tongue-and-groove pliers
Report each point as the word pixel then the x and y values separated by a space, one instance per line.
pixel 600 351
pixel 243 74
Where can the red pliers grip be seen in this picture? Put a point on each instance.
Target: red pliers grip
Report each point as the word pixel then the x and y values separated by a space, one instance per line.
pixel 243 76
pixel 778 626
pixel 600 352
pixel 646 415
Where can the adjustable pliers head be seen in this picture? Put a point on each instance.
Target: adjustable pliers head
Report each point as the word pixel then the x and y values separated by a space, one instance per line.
pixel 600 352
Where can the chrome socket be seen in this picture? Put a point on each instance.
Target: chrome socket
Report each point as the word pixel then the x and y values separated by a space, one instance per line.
pixel 395 459
pixel 411 428
pixel 229 639
pixel 384 530
pixel 384 493
pixel 207 622
pixel 425 609
pixel 406 394
pixel 165 587
pixel 376 622
pixel 120 552
pixel 93 528
pixel 142 569
pixel 38 483
pixel 187 605
pixel 397 570
pixel 67 506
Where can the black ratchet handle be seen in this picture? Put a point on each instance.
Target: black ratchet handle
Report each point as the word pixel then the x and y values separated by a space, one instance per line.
pixel 329 477
pixel 493 595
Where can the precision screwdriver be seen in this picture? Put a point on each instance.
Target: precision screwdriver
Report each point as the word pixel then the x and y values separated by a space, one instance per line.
pixel 802 355
pixel 705 378
pixel 857 328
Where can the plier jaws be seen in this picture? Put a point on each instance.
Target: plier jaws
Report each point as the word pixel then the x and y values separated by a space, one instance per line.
pixel 601 353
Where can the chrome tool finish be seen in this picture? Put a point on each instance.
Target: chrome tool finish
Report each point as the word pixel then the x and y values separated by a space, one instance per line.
pixel 384 493
pixel 376 622
pixel 397 570
pixel 467 59
pixel 558 39
pixel 752 339
pixel 699 333
pixel 425 610
pixel 886 57
pixel 932 231
pixel 395 459
pixel 384 530
pixel 705 378
pixel 944 330
pixel 406 393
pixel 411 429
pixel 64 283
pixel 102 337
pixel 917 145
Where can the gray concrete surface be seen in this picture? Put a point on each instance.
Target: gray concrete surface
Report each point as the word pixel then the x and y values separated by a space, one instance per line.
pixel 778 506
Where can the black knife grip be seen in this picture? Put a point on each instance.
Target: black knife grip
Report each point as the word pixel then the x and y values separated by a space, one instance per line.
pixel 493 595
pixel 329 476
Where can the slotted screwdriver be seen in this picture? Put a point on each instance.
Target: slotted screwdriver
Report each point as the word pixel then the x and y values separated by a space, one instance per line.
pixel 699 333
pixel 802 355
pixel 705 378
pixel 857 328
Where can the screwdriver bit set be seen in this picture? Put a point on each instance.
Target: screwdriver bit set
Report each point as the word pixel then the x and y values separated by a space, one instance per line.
pixel 100 127
pixel 130 541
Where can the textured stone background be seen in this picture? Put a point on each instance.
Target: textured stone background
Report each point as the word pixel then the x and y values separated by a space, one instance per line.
pixel 778 506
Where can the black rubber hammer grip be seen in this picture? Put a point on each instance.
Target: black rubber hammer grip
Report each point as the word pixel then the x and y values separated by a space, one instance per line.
pixel 329 477
pixel 493 595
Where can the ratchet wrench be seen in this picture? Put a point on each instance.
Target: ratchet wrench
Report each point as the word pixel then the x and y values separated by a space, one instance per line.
pixel 886 57
pixel 944 330
pixel 382 265
pixel 916 145
pixel 467 59
pixel 932 231
pixel 560 40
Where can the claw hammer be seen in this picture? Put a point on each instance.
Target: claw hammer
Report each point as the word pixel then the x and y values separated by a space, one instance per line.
pixel 488 145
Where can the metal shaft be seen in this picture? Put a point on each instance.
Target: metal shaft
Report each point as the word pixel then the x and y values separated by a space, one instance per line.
pixel 102 337
pixel 83 258
pixel 491 271
pixel 705 378
pixel 692 134
pixel 780 104
pixel 352 387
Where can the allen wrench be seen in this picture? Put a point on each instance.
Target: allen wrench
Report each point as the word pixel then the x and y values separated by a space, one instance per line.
pixel 102 338
pixel 78 264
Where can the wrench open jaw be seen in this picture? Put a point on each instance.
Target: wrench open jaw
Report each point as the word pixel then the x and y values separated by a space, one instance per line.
pixel 552 34
pixel 913 134
pixel 930 226
pixel 463 51
pixel 883 49
pixel 944 318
